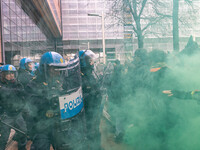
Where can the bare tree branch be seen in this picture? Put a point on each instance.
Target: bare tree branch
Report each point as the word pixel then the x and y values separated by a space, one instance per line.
pixel 152 23
pixel 143 5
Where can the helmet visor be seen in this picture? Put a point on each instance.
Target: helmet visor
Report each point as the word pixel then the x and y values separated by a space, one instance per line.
pixel 92 55
pixel 30 66
pixel 9 75
pixel 56 71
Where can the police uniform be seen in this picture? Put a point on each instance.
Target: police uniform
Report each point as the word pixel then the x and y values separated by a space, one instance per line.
pixel 42 112
pixel 24 74
pixel 12 103
pixel 24 77
pixel 47 127
pixel 92 100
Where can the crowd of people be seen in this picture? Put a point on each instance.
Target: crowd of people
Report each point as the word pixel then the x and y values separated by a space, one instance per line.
pixel 134 91
pixel 126 104
pixel 139 112
pixel 30 99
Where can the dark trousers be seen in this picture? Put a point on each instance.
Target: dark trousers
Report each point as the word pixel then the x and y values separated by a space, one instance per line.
pixel 67 135
pixel 17 122
pixel 93 118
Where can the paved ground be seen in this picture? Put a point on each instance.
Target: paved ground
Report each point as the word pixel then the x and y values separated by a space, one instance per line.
pixel 12 145
pixel 107 140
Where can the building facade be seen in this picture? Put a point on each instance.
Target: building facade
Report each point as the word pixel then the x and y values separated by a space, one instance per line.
pixel 28 29
pixel 81 31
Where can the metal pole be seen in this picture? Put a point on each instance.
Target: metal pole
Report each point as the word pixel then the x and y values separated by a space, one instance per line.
pixel 88 45
pixel 2 55
pixel 103 39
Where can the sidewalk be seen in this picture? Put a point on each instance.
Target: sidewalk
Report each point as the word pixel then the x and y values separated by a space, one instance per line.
pixel 12 145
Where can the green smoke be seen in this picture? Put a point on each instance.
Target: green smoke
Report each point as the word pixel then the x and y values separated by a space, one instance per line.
pixel 149 119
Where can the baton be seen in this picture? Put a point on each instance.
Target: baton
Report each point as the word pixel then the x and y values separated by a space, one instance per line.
pixel 18 130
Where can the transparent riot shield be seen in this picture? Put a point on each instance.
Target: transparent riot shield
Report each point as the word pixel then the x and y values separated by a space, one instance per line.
pixel 70 129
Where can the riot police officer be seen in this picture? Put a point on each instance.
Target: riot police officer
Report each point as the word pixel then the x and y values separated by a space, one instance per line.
pixel 41 111
pixel 12 103
pixel 25 73
pixel 46 90
pixel 92 98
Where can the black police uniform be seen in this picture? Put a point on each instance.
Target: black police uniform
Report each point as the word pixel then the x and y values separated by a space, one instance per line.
pixel 12 103
pixel 41 112
pixel 24 76
pixel 45 114
pixel 92 102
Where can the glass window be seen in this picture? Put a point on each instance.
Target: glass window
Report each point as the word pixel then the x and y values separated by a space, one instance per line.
pixel 91 34
pixel 65 6
pixel 71 28
pixel 92 20
pixel 82 12
pixel 5 9
pixel 12 6
pixel 83 27
pixel 99 5
pixel 14 29
pixel 6 31
pixel 91 11
pixel 70 21
pixel 72 12
pixel 109 35
pixel 19 21
pixel 65 35
pixel 91 5
pixel 65 12
pixel 13 37
pixel 82 34
pixel 91 27
pixel 6 22
pixel 18 11
pixel 82 20
pixel 73 35
pixel 73 5
pixel 20 33
pixel 82 5
pixel 13 14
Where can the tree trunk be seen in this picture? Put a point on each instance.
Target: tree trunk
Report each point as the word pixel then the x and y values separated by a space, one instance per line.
pixel 139 33
pixel 140 40
pixel 175 25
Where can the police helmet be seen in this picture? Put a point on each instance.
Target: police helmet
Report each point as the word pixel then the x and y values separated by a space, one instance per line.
pixel 51 59
pixel 36 66
pixel 86 56
pixel 1 68
pixel 8 69
pixel 24 63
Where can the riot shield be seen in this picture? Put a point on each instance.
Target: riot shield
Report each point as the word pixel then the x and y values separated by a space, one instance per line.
pixel 70 129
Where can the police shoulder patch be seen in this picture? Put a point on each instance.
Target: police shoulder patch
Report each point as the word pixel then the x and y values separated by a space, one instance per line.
pixel 49 113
